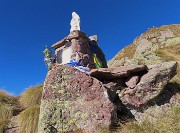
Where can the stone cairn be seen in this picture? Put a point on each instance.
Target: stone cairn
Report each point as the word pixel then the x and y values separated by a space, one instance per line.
pixel 77 48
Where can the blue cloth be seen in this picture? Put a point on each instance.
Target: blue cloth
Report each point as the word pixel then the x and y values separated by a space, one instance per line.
pixel 83 69
pixel 74 63
pixel 78 66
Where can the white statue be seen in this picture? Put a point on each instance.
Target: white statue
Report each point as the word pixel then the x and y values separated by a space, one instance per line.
pixel 75 22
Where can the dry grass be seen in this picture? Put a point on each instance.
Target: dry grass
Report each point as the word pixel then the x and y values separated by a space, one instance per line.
pixel 7 104
pixel 175 28
pixel 28 120
pixel 11 106
pixel 171 53
pixel 128 51
pixel 5 98
pixel 168 123
pixel 30 101
pixel 31 96
pixel 8 107
pixel 3 124
pixel 6 111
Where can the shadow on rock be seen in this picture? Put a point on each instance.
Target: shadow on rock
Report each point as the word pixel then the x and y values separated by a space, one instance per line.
pixel 170 90
pixel 121 114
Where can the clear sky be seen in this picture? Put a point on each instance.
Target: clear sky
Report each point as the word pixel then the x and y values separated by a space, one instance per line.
pixel 27 26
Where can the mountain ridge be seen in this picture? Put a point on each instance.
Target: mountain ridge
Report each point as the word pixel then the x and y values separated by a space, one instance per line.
pixel 148 42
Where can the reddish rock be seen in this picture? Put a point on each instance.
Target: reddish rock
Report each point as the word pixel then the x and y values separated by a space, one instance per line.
pixel 117 72
pixel 72 101
pixel 132 81
pixel 82 49
pixel 150 85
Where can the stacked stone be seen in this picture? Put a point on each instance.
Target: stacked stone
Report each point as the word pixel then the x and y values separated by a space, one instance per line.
pixel 79 44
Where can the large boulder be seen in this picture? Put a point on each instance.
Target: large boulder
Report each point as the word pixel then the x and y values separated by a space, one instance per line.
pixel 72 101
pixel 150 85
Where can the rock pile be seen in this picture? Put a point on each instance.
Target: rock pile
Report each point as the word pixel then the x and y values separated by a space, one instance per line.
pixel 150 84
pixel 78 47
pixel 73 100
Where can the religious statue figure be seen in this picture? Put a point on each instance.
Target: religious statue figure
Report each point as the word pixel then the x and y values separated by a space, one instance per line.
pixel 75 22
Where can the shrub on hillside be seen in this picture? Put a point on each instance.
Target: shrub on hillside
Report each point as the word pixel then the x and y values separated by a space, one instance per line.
pixel 31 96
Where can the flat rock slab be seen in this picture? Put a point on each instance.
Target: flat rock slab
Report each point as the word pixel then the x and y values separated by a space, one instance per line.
pixel 150 85
pixel 117 72
pixel 73 101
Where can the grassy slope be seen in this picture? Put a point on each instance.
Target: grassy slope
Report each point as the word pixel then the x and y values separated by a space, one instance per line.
pixel 169 122
pixel 9 106
pixel 171 53
pixel 28 102
pixel 130 50
pixel 31 96
pixel 28 119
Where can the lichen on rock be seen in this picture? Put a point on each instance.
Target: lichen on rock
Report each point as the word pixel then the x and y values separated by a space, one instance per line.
pixel 73 101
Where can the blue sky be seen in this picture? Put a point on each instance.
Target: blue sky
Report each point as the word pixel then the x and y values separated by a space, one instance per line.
pixel 27 26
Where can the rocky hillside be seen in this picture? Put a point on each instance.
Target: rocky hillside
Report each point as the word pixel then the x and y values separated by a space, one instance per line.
pixel 138 93
pixel 143 48
pixel 73 101
pixel 155 46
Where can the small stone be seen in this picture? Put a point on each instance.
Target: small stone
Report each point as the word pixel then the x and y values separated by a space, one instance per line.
pixel 132 81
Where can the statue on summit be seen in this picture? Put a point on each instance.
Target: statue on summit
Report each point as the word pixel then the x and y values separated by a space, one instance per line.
pixel 75 22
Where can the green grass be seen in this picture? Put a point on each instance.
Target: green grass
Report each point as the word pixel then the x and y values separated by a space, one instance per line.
pixel 31 96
